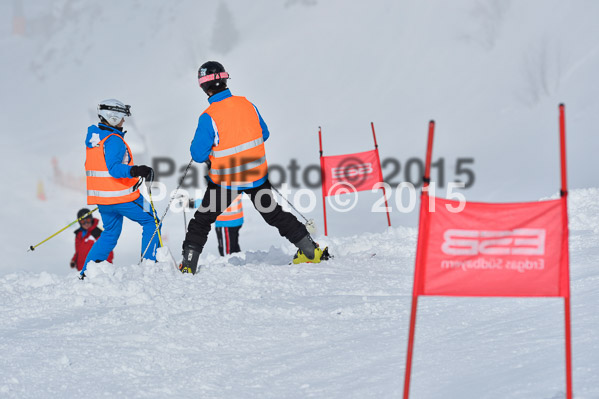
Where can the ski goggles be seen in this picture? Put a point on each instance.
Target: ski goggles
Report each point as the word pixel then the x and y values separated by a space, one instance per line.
pixel 87 220
pixel 123 110
pixel 211 77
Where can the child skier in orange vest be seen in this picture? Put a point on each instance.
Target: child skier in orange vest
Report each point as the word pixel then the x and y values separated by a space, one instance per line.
pixel 231 135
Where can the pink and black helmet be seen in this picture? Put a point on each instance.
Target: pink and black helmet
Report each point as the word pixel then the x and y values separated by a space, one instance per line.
pixel 212 76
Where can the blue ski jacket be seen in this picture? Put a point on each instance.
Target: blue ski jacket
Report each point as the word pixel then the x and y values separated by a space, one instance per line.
pixel 206 135
pixel 115 150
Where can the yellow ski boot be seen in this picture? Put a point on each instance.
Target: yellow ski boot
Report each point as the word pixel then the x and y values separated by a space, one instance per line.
pixel 300 257
pixel 308 247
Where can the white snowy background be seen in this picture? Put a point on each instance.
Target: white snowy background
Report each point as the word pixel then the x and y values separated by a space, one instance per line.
pixel 490 72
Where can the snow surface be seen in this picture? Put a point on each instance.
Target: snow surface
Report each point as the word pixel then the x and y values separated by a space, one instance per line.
pixel 251 326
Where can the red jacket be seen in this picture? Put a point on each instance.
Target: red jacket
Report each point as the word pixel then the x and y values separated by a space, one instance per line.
pixel 84 240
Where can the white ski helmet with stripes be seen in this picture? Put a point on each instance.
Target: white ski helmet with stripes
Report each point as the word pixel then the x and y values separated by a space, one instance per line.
pixel 113 111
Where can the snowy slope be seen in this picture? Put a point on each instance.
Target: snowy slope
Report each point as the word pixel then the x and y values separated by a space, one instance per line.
pixel 490 72
pixel 250 326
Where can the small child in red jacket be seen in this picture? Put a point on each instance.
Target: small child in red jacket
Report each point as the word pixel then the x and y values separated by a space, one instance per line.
pixel 85 237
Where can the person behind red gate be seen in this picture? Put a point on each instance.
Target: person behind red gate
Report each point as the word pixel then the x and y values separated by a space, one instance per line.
pixel 227 228
pixel 230 138
pixel 85 237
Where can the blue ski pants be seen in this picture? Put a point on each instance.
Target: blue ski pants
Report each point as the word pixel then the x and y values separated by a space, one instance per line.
pixel 112 219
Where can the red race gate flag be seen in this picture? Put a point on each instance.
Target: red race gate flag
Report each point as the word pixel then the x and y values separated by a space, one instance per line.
pixel 488 249
pixel 361 170
pixel 350 173
pixel 492 249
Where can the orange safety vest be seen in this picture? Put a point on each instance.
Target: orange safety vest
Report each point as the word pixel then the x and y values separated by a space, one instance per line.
pixel 239 157
pixel 102 188
pixel 233 212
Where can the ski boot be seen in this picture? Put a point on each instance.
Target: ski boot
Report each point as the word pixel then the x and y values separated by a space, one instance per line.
pixel 191 257
pixel 310 252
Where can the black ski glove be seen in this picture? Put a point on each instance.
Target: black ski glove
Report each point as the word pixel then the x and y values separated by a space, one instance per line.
pixel 73 264
pixel 142 171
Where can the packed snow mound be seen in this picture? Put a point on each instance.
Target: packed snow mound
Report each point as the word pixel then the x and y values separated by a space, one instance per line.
pixel 252 326
pixel 129 281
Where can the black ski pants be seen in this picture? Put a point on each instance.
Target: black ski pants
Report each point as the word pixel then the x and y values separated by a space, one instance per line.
pixel 217 199
pixel 228 240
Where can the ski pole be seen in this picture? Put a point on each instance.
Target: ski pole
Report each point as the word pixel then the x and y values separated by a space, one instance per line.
pixel 185 201
pixel 166 211
pixel 154 209
pixel 33 247
pixel 294 208
pixel 185 220
pixel 310 224
pixel 154 215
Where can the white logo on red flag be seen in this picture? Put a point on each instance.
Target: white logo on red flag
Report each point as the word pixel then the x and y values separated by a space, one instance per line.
pixel 361 170
pixel 352 171
pixel 494 242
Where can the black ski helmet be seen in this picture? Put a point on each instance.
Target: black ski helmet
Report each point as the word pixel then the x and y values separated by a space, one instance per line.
pixel 212 77
pixel 82 212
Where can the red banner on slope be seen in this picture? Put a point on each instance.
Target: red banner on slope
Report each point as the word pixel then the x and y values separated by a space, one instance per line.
pixel 487 249
pixel 492 249
pixel 361 171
